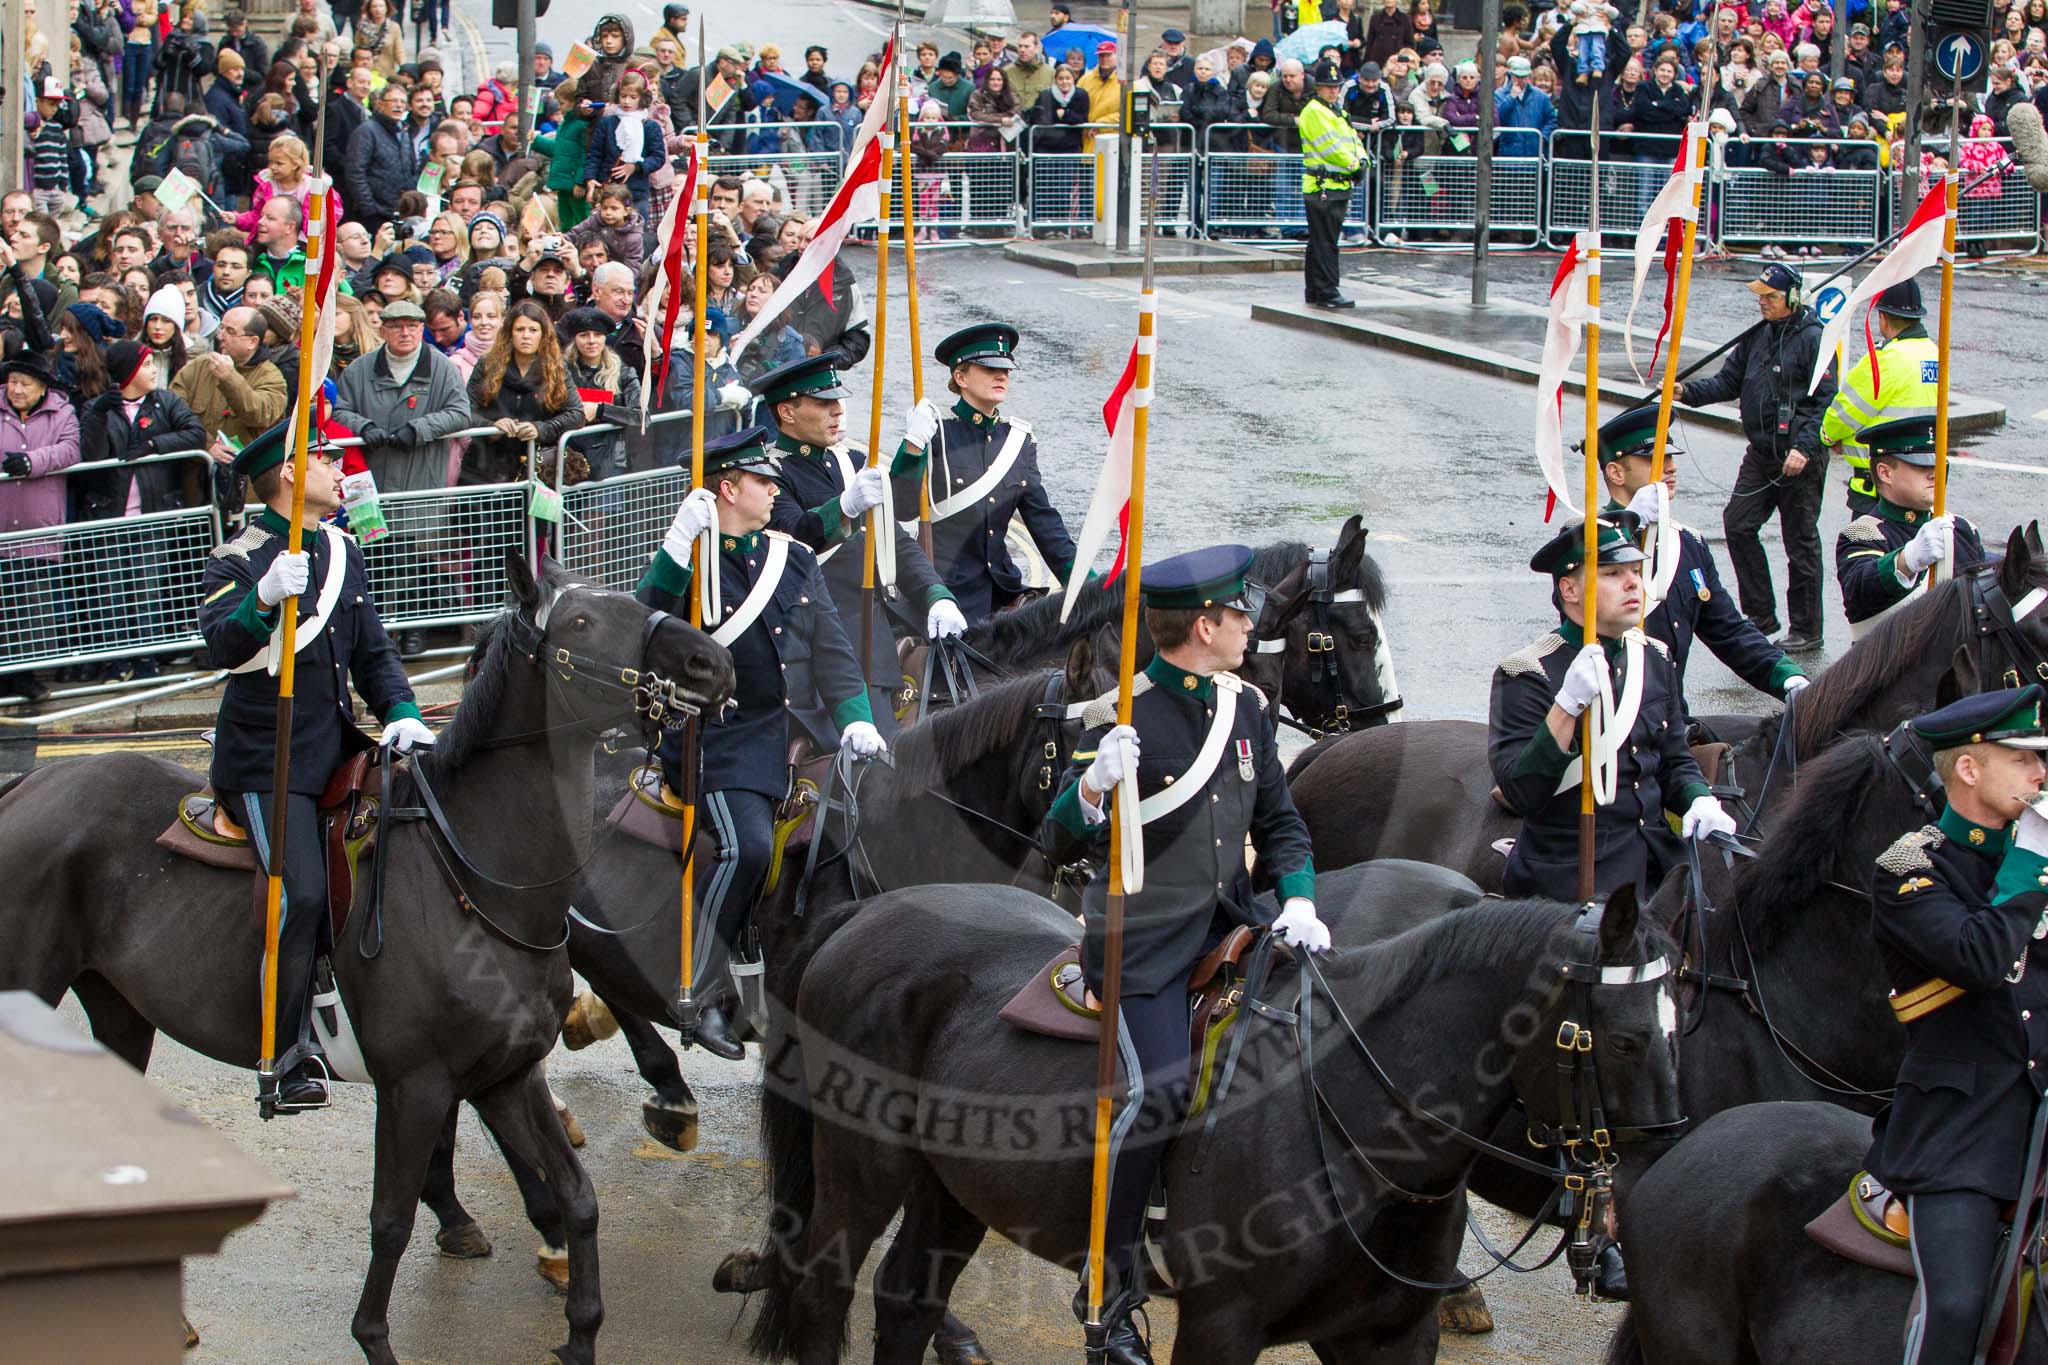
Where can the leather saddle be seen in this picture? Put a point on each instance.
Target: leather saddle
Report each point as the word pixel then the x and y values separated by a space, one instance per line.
pixel 1870 1226
pixel 1053 1004
pixel 652 812
pixel 207 832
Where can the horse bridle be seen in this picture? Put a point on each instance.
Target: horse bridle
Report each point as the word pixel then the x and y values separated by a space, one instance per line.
pixel 655 699
pixel 1319 597
pixel 1995 622
pixel 1581 1140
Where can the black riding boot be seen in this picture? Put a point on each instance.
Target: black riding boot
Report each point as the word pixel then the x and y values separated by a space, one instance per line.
pixel 1610 1276
pixel 714 1035
pixel 1127 1346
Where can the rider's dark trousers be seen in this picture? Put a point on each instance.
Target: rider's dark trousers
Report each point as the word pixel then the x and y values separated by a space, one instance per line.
pixel 304 903
pixel 1152 1045
pixel 1955 1238
pixel 742 825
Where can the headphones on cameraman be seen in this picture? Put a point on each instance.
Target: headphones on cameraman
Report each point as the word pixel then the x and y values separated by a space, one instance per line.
pixel 1795 295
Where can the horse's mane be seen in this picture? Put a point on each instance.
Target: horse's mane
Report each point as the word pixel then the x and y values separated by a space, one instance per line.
pixel 481 698
pixel 1835 792
pixel 1897 643
pixel 953 739
pixel 1491 933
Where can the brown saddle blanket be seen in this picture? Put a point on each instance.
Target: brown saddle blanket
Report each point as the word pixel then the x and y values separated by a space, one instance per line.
pixel 1869 1225
pixel 206 833
pixel 1053 1003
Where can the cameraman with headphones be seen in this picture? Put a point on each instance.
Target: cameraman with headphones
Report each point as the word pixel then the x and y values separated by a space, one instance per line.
pixel 1784 470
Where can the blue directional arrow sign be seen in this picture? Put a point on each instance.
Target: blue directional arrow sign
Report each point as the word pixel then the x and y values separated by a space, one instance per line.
pixel 1829 301
pixel 1959 56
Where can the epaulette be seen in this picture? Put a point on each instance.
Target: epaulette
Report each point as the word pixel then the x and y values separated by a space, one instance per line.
pixel 1529 658
pixel 252 537
pixel 1651 641
pixel 1866 528
pixel 1102 710
pixel 1909 853
pixel 1021 425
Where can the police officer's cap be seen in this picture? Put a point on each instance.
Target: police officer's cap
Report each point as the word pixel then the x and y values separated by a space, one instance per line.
pixel 1201 579
pixel 1909 440
pixel 1564 552
pixel 992 344
pixel 815 375
pixel 2010 716
pixel 1328 73
pixel 745 451
pixel 1902 300
pixel 1633 433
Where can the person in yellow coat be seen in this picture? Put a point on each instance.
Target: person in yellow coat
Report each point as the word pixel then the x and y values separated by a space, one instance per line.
pixel 1901 384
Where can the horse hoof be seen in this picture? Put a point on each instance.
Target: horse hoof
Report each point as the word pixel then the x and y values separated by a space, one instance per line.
pixel 552 1264
pixel 671 1125
pixel 966 1350
pixel 589 1021
pixel 570 1126
pixel 738 1273
pixel 463 1241
pixel 191 1332
pixel 1464 1311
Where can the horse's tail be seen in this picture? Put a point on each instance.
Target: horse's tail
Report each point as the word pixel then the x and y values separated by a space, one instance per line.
pixel 1625 1347
pixel 786 1127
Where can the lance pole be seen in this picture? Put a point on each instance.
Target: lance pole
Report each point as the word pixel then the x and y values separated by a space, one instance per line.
pixel 1696 162
pixel 875 527
pixel 924 489
pixel 701 563
pixel 1589 596
pixel 1951 198
pixel 1123 815
pixel 317 228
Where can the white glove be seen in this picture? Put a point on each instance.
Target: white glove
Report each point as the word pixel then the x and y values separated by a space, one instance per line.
pixel 286 577
pixel 1794 683
pixel 405 733
pixel 1582 680
pixel 734 396
pixel 2032 832
pixel 1116 758
pixel 1299 926
pixel 864 492
pixel 698 511
pixel 1646 504
pixel 944 621
pixel 922 424
pixel 863 738
pixel 1704 817
pixel 1929 547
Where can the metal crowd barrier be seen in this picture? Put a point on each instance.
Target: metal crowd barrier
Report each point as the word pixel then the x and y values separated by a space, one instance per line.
pixel 1439 193
pixel 1061 185
pixel 1251 193
pixel 610 526
pixel 804 177
pixel 2002 214
pixel 1178 176
pixel 962 189
pixel 1627 188
pixel 1834 209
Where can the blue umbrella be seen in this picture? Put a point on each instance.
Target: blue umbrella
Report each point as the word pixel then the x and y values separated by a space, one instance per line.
pixel 787 88
pixel 1067 37
pixel 1303 44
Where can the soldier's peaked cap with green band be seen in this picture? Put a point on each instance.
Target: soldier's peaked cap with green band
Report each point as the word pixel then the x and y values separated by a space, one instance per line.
pixel 2011 716
pixel 1633 433
pixel 1201 579
pixel 814 375
pixel 1910 440
pixel 993 344
pixel 1564 552
pixel 746 451
pixel 269 450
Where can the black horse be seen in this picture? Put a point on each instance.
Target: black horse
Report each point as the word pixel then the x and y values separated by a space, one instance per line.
pixel 1725 1274
pixel 893 1030
pixel 1320 651
pixel 1423 789
pixel 466 995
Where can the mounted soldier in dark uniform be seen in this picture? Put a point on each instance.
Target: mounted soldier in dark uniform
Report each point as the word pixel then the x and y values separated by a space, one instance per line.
pixel 826 493
pixel 795 675
pixel 1884 556
pixel 1211 777
pixel 1956 907
pixel 1533 732
pixel 982 469
pixel 1694 606
pixel 340 640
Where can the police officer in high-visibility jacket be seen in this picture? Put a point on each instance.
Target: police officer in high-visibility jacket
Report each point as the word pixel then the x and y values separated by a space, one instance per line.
pixel 1901 384
pixel 1332 160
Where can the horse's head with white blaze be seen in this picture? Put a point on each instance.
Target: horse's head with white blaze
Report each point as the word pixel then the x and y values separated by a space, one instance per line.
pixel 1320 646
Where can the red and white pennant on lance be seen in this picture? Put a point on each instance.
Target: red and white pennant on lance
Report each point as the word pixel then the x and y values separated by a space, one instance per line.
pixel 1918 247
pixel 1569 314
pixel 1111 505
pixel 858 200
pixel 665 300
pixel 1669 212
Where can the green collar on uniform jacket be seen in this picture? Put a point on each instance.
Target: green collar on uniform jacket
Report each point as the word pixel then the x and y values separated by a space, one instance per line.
pixel 1575 637
pixel 967 412
pixel 745 544
pixel 784 441
pixel 1970 834
pixel 1168 678
pixel 1908 516
pixel 274 522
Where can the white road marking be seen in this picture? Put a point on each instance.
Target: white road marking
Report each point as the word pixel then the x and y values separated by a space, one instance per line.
pixel 2001 465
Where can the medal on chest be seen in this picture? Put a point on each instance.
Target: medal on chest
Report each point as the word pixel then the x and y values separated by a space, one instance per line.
pixel 1244 759
pixel 1699 584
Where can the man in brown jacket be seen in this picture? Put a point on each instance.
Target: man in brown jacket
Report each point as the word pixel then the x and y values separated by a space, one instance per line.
pixel 236 392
